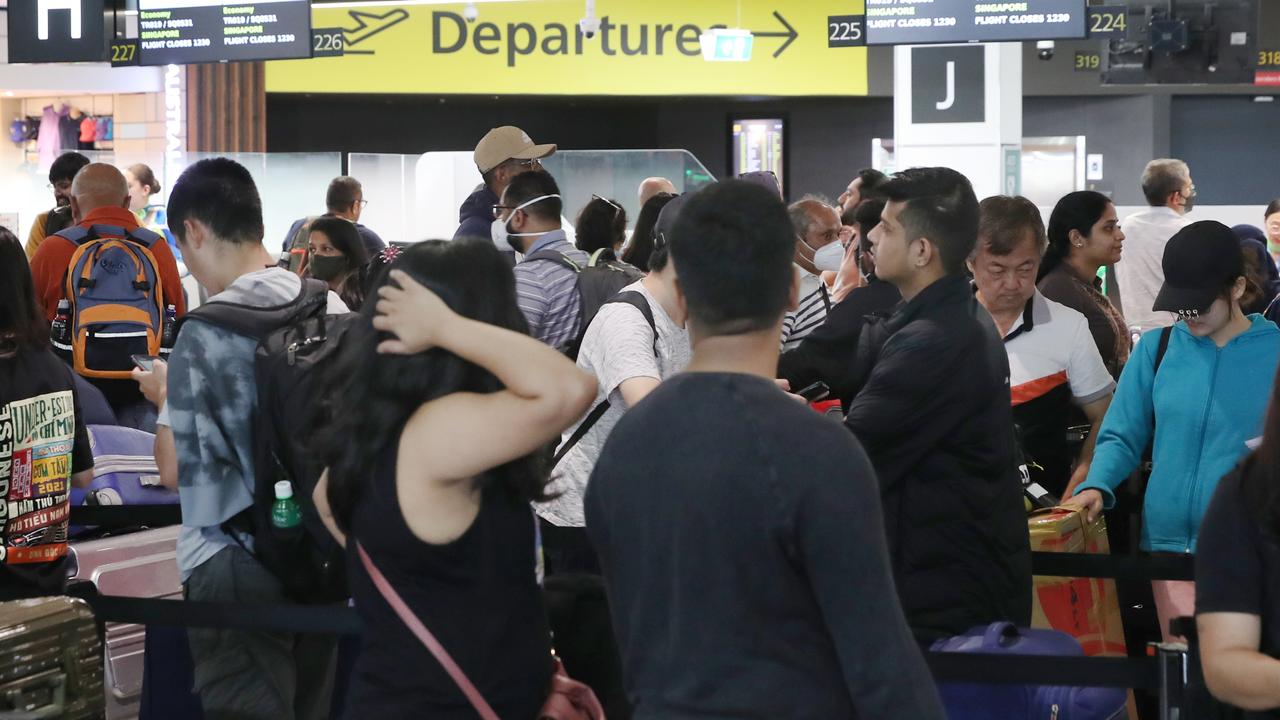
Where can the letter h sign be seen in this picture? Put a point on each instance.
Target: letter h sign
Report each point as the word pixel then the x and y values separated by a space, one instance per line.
pixel 44 7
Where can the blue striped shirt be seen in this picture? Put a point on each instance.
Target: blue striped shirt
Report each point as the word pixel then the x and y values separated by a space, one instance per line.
pixel 547 292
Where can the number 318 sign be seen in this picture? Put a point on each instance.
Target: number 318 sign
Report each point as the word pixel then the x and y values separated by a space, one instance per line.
pixel 846 31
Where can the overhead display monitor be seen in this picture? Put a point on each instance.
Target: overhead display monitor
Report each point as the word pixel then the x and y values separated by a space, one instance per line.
pixel 920 22
pixel 759 145
pixel 184 32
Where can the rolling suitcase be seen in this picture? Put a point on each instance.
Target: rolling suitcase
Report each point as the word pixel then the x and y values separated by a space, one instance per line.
pixel 124 472
pixel 124 468
pixel 50 660
pixel 141 564
pixel 971 701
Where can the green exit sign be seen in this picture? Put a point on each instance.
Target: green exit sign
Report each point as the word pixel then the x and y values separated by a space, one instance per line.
pixel 721 45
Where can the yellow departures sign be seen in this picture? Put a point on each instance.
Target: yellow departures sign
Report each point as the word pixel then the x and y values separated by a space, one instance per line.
pixel 534 47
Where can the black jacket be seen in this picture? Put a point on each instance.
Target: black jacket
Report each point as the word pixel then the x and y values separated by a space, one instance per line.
pixel 475 217
pixel 932 410
pixel 828 353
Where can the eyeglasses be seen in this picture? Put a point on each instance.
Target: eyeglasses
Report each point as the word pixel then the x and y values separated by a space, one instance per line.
pixel 617 209
pixel 63 185
pixel 363 204
pixel 497 210
pixel 532 163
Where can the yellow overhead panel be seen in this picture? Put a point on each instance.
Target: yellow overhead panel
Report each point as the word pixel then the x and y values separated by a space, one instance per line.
pixel 643 47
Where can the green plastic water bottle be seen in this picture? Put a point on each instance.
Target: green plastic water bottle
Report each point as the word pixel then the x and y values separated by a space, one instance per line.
pixel 285 514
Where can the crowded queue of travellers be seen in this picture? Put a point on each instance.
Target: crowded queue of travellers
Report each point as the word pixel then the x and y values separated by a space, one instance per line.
pixel 512 411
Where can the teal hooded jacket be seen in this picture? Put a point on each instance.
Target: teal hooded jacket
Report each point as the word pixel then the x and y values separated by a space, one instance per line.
pixel 1203 405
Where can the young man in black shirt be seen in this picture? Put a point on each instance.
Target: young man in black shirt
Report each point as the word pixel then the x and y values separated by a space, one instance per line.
pixel 931 407
pixel 739 532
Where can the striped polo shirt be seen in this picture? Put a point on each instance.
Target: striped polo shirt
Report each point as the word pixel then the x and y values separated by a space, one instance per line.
pixel 815 301
pixel 547 292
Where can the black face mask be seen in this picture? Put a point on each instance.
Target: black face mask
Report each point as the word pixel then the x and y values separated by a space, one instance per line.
pixel 327 267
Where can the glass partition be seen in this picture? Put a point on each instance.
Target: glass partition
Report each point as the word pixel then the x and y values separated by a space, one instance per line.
pixel 292 185
pixel 414 197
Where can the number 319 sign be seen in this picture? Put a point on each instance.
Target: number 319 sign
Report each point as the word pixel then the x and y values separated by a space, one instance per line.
pixel 846 31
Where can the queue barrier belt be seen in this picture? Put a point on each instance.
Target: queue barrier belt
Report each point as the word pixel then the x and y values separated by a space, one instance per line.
pixel 1138 673
pixel 1118 567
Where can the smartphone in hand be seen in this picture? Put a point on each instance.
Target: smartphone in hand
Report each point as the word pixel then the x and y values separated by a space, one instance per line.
pixel 144 362
pixel 815 392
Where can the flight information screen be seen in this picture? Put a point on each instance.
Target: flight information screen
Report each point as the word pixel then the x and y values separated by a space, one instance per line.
pixel 758 145
pixel 919 22
pixel 182 32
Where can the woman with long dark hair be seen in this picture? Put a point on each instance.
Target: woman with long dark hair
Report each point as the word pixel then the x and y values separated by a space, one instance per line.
pixel 336 255
pixel 641 245
pixel 441 404
pixel 42 434
pixel 1084 235
pixel 1238 579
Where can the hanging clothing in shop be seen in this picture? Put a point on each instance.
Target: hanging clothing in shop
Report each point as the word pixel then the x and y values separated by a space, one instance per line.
pixel 18 131
pixel 88 133
pixel 49 142
pixel 69 128
pixel 106 129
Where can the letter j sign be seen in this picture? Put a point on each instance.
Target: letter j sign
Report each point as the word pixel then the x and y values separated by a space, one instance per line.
pixel 948 84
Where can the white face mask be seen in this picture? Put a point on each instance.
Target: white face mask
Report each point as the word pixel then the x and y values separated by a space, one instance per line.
pixel 829 257
pixel 502 236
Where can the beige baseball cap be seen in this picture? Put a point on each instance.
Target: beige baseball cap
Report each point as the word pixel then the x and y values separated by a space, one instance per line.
pixel 507 143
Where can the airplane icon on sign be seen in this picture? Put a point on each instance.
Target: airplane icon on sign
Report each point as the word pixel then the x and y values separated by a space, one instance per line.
pixel 369 24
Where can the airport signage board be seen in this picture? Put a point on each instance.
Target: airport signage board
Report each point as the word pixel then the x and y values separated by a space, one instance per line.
pixel 539 48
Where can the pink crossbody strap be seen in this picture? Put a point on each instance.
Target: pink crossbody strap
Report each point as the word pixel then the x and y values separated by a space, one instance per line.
pixel 429 640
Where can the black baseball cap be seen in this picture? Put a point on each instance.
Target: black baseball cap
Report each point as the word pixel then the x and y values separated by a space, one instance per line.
pixel 1199 262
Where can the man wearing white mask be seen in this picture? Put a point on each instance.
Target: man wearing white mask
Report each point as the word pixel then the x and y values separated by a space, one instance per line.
pixel 527 219
pixel 818 249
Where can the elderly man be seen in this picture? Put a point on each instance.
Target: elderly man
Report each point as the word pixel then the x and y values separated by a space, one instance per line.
pixel 818 250
pixel 100 207
pixel 654 185
pixel 99 200
pixel 1054 366
pixel 503 153
pixel 1167 185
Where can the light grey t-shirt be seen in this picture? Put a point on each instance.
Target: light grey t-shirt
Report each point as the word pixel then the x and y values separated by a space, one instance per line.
pixel 617 346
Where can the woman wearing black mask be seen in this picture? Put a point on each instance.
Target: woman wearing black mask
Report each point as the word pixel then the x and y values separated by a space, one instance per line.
pixel 337 256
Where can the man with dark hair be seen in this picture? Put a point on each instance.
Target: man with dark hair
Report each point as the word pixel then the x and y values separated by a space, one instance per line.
pixel 1057 376
pixel 344 199
pixel 862 187
pixel 1167 185
pixel 932 410
pixel 546 290
pixel 61 173
pixel 817 229
pixel 633 344
pixel 745 578
pixel 502 154
pixel 216 214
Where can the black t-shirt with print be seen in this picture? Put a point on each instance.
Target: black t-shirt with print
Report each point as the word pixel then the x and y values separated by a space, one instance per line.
pixel 43 442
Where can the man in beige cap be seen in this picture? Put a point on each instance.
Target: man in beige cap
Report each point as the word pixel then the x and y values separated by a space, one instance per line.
pixel 501 154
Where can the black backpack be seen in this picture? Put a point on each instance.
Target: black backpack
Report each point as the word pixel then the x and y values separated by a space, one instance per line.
pixel 598 282
pixel 295 341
